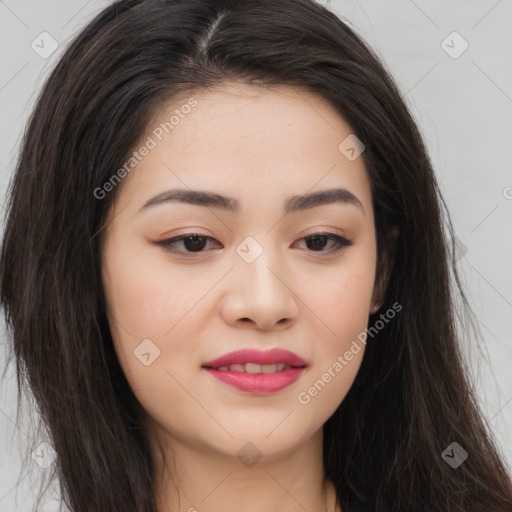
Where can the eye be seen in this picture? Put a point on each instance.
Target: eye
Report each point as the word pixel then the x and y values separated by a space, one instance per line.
pixel 318 240
pixel 194 243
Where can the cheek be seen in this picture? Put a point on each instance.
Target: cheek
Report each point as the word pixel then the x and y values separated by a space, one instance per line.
pixel 344 310
pixel 340 299
pixel 150 301
pixel 143 295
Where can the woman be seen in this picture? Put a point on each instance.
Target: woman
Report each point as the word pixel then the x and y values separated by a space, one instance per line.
pixel 190 339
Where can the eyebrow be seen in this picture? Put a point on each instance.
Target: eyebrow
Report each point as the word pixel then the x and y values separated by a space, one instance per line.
pixel 292 204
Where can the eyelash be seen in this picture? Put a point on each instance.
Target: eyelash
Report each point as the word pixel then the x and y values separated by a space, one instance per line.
pixel 341 242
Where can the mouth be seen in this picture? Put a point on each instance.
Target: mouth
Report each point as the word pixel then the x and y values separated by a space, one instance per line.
pixel 257 372
pixel 254 368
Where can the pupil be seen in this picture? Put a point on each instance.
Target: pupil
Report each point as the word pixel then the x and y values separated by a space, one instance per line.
pixel 194 245
pixel 316 238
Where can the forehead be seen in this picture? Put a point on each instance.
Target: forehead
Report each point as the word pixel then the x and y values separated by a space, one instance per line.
pixel 249 142
pixel 243 115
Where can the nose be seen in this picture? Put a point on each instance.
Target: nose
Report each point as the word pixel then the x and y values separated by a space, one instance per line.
pixel 260 296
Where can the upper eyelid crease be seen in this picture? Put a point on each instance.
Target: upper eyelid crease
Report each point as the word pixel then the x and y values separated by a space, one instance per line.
pixel 232 205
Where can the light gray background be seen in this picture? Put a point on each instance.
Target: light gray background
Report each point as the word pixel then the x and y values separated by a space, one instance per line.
pixel 463 106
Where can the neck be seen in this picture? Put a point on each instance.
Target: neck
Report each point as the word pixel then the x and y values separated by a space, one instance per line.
pixel 197 478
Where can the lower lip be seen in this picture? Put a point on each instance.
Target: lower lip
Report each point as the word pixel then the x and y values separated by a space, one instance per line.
pixel 257 382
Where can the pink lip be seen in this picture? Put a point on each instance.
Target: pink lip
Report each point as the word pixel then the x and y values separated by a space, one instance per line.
pixel 259 383
pixel 276 355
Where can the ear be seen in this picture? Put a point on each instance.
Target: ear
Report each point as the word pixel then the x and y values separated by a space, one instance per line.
pixel 384 267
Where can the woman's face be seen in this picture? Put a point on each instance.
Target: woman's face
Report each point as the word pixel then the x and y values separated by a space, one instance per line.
pixel 256 278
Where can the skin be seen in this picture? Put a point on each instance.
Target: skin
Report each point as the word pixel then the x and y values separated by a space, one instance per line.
pixel 259 146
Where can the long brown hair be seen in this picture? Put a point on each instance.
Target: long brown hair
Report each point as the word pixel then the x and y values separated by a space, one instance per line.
pixel 412 396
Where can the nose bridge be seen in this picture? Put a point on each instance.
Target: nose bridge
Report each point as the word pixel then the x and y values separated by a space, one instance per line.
pixel 258 289
pixel 260 267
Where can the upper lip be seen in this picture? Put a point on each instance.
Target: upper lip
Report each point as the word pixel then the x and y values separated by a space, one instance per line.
pixel 274 356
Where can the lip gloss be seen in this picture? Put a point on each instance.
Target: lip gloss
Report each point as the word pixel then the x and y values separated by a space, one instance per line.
pixel 262 383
